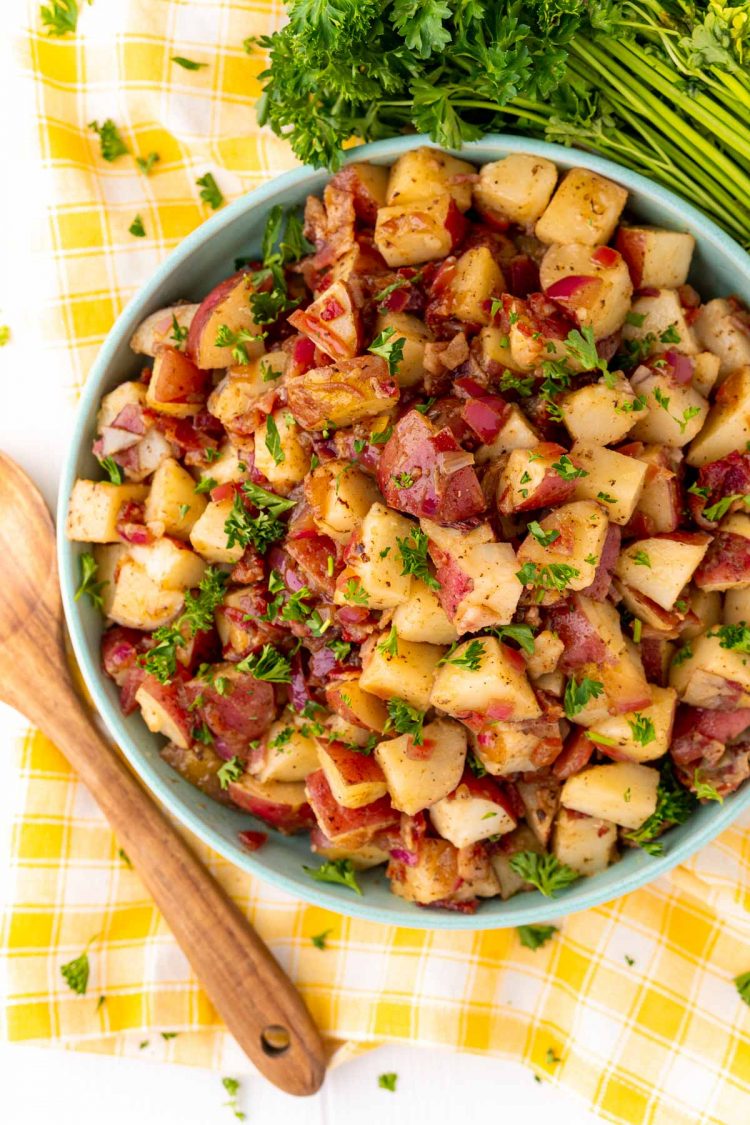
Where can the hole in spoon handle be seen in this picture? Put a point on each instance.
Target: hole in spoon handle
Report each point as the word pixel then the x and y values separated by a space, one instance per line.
pixel 275 1040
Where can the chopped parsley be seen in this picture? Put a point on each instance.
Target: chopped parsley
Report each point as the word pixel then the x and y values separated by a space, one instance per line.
pixel 137 228
pixel 742 984
pixel 556 576
pixel 319 940
pixel 197 616
pixel 76 974
pixel 674 804
pixel 414 557
pixel 733 637
pixel 60 17
pixel 399 284
pixel 543 538
pixel 261 530
pixel 88 567
pixel 389 645
pixel 403 480
pixel 522 385
pixel 523 635
pixel 237 341
pixel 544 872
pixel 339 871
pixel 405 719
pixel 640 558
pixel 704 790
pixel 113 470
pixel 682 655
pixel 470 659
pixel 643 729
pixel 388 1082
pixel 579 693
pixel 188 64
pixel 355 593
pixel 606 498
pixel 110 142
pixel 146 163
pixel 273 440
pixel 533 937
pixel 269 665
pixel 388 348
pixel 210 192
pixel 567 470
pixel 230 771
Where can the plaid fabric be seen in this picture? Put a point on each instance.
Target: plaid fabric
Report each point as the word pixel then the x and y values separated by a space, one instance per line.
pixel 635 999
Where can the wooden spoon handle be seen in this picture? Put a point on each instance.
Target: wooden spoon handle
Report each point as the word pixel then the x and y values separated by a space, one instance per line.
pixel 250 991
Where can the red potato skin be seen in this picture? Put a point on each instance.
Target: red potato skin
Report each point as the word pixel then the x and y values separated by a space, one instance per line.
pixel 238 717
pixel 340 824
pixel 551 491
pixel 599 588
pixel 725 564
pixel 171 697
pixel 702 734
pixel 583 645
pixel 632 246
pixel 332 322
pixel 353 767
pixel 366 205
pixel 415 447
pixel 176 378
pixel 286 819
pixel 729 476
pixel 575 756
pixel 208 306
pixel 487 789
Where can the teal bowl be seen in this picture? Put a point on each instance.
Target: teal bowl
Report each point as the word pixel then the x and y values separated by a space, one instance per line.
pixel 720 267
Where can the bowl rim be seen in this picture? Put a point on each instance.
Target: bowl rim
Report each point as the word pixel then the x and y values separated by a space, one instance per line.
pixel 581 895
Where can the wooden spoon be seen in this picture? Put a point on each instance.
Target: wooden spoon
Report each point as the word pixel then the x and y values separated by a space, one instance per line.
pixel 254 997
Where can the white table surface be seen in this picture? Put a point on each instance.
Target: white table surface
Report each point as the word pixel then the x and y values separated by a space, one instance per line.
pixel 39 1086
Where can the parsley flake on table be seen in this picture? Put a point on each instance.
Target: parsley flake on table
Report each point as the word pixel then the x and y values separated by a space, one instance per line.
pixel 270 665
pixel 544 872
pixel 137 228
pixel 188 64
pixel 533 937
pixel 232 1087
pixel 76 973
pixel 210 192
pixel 111 143
pixel 388 1082
pixel 123 855
pixel 60 17
pixel 388 348
pixel 405 719
pixel 88 568
pixel 742 984
pixel 146 163
pixel 4 335
pixel 319 940
pixel 339 871
pixel 578 693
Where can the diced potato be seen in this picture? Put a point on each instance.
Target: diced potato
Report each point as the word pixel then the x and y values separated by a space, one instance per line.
pixel 141 603
pixel 283 462
pixel 736 606
pixel 598 413
pixel 515 189
pixel 610 473
pixel 415 783
pixel 661 568
pixel 705 372
pixel 587 844
pixel 407 674
pixel 173 505
pixel 528 479
pixel 158 329
pixel 341 395
pixel 719 331
pixel 289 753
pixel 176 387
pixel 345 696
pixel 480 571
pixel 601 299
pixel 585 208
pixel 423 173
pixel 209 537
pixel 548 648
pixel 660 502
pixel 471 814
pixel 710 676
pixel 361 859
pixel 476 281
pixel 355 779
pixel 340 496
pixel 674 414
pixel 412 233
pixel 707 608
pixel 94 509
pixel 517 433
pixel 496 687
pixel 432 878
pixel 492 347
pixel 422 618
pixel 639 736
pixel 520 840
pixel 415 334
pixel 582 527
pixel 109 558
pixel 727 426
pixel 169 563
pixel 129 393
pixel 663 316
pixel 229 466
pixel 332 321
pixel 541 800
pixel 378 566
pixel 623 792
pixel 506 748
pixel 162 712
pixel 656 257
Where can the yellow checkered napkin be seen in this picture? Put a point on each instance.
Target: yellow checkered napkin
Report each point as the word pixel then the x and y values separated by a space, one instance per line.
pixel 635 999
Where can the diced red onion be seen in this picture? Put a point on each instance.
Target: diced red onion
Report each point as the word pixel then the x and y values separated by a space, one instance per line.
pixel 568 287
pixel 605 256
pixel 454 460
pixel 411 859
pixel 682 366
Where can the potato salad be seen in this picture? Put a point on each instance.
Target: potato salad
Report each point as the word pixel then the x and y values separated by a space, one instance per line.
pixel 427 531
